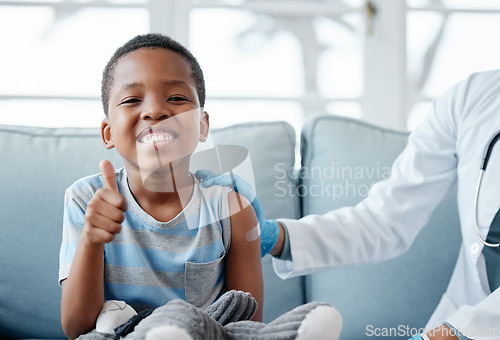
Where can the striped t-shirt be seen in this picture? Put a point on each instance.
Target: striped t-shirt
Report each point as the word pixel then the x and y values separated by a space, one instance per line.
pixel 149 262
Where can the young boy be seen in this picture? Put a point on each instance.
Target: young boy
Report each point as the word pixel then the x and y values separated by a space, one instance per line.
pixel 149 233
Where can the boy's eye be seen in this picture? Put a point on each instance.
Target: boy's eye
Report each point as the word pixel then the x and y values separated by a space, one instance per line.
pixel 130 101
pixel 176 99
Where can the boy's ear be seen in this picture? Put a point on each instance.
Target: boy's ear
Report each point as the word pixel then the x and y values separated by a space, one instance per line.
pixel 106 135
pixel 204 126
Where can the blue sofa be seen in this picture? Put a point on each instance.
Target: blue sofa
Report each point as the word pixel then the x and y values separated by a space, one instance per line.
pixel 341 156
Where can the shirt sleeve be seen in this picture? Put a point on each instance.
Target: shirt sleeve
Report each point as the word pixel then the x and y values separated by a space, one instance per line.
pixel 73 221
pixel 385 223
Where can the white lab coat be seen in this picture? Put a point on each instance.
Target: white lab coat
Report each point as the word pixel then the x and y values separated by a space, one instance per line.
pixel 447 147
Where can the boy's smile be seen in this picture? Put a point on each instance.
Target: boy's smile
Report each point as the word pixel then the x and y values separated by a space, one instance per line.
pixel 157 136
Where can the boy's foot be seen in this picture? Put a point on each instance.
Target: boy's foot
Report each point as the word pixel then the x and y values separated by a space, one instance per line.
pixel 323 322
pixel 167 332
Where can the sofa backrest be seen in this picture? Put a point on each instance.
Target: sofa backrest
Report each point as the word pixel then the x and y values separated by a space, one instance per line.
pixel 342 158
pixel 38 164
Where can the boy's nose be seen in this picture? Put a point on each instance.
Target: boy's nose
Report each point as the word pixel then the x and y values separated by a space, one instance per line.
pixel 156 111
pixel 154 115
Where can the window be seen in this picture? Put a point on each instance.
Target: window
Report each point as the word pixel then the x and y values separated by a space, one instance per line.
pixel 278 60
pixel 447 41
pixel 382 60
pixel 52 58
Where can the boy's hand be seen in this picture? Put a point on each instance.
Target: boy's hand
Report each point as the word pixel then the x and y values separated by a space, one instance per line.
pixel 105 211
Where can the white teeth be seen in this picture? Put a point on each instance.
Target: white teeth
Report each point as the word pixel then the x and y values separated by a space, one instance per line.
pixel 156 137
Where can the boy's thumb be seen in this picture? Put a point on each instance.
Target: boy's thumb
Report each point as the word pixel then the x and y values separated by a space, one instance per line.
pixel 108 175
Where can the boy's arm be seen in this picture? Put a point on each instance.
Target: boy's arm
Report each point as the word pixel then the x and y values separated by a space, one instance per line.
pixel 243 265
pixel 83 291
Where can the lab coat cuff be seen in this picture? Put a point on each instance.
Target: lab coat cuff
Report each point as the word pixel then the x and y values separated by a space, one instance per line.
pixel 465 322
pixel 283 265
pixel 287 267
pixel 286 253
pixel 456 332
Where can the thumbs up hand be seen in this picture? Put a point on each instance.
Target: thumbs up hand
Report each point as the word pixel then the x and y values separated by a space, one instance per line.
pixel 105 211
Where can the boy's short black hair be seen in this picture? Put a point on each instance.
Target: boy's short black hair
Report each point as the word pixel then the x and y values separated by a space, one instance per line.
pixel 151 40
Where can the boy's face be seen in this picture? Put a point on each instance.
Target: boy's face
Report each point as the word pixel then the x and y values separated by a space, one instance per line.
pixel 154 111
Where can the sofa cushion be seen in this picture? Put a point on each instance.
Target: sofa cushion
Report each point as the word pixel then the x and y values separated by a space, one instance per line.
pixel 344 157
pixel 38 164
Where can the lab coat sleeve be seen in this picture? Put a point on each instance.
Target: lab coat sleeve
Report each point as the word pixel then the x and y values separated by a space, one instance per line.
pixel 480 321
pixel 387 221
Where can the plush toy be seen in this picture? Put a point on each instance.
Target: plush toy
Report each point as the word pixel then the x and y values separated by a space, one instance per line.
pixel 227 318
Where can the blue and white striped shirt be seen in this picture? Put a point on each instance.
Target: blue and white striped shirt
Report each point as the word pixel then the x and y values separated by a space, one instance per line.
pixel 149 262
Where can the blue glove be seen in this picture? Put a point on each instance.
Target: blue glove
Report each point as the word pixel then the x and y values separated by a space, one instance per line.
pixel 269 229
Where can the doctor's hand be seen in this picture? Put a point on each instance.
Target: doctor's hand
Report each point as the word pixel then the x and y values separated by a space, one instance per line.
pixel 106 210
pixel 442 332
pixel 270 229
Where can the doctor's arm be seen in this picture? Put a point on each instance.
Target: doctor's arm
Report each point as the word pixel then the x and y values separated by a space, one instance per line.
pixel 386 222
